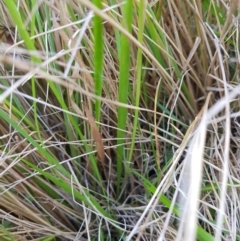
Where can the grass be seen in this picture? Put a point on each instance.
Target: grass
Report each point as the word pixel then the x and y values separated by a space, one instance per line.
pixel 119 120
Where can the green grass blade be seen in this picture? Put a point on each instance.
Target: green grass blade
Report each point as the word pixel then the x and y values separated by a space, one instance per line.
pixel 202 235
pixel 30 46
pixel 44 152
pixel 123 87
pixel 141 21
pixel 98 59
pixel 87 198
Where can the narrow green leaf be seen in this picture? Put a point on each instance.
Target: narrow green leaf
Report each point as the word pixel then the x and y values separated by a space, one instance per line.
pixel 123 87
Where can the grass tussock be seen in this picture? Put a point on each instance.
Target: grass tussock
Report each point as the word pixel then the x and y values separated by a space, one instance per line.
pixel 119 120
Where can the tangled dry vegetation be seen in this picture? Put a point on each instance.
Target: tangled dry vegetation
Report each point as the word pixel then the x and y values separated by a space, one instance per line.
pixel 122 125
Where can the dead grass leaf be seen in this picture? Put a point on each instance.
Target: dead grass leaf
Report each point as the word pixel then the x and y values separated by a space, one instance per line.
pixel 95 134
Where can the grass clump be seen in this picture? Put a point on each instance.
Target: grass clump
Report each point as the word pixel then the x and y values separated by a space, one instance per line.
pixel 119 120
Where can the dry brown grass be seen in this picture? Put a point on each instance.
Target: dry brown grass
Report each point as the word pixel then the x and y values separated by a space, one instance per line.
pixel 184 174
